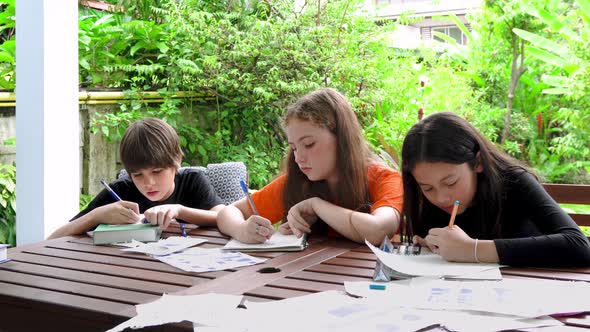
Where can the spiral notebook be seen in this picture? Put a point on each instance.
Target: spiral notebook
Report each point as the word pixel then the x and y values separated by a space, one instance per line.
pixel 278 242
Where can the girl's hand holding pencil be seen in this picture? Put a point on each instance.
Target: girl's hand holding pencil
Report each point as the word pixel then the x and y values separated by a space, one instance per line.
pixel 256 230
pixel 452 244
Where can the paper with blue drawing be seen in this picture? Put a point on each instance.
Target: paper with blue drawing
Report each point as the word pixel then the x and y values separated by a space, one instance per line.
pixel 324 311
pixel 173 251
pixel 208 259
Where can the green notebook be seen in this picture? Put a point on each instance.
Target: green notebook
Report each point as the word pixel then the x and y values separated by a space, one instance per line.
pixel 107 234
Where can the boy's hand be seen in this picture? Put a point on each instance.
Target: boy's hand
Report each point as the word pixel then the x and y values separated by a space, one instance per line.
pixel 121 212
pixel 163 215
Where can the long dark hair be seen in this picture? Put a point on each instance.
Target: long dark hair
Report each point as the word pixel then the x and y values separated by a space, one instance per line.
pixel 329 109
pixel 448 138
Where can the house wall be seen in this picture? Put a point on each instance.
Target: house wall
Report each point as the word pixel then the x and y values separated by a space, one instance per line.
pixel 7 130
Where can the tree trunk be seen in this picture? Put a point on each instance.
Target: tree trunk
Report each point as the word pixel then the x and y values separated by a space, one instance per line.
pixel 515 74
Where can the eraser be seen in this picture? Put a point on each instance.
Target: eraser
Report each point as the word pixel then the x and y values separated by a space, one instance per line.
pixel 377 287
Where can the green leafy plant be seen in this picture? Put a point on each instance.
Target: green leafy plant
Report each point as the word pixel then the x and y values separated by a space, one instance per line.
pixel 255 57
pixel 116 50
pixel 8 204
pixel 85 200
pixel 7 45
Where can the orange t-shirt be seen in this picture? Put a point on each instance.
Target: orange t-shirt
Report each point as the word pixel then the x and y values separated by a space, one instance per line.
pixel 385 189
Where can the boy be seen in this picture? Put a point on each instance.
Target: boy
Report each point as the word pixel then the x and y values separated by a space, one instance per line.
pixel 151 154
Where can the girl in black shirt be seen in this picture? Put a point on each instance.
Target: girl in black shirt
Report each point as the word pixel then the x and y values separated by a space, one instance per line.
pixel 505 216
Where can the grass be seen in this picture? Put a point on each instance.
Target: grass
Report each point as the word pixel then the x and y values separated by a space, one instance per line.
pixel 581 209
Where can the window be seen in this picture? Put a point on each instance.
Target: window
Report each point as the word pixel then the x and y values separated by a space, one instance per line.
pixel 451 31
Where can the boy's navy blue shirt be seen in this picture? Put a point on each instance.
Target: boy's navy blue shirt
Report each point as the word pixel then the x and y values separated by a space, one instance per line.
pixel 535 231
pixel 191 189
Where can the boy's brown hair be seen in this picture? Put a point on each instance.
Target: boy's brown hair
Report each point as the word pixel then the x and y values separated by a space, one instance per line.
pixel 150 142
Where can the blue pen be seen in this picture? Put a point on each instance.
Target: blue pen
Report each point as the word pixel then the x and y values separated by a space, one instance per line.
pixel 245 189
pixel 182 228
pixel 111 191
pixel 115 196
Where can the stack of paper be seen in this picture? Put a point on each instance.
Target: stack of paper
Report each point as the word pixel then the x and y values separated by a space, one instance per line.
pixel 428 264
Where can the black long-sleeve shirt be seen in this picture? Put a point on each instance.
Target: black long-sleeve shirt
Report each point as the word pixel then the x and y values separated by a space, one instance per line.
pixel 535 231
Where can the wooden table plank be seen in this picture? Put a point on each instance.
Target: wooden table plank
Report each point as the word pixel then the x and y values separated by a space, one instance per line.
pixel 180 279
pixel 250 278
pixel 273 293
pixel 370 256
pixel 305 285
pixel 94 278
pixel 112 293
pixel 115 261
pixel 344 271
pixel 38 295
pixel 545 274
pixel 326 277
pixel 348 262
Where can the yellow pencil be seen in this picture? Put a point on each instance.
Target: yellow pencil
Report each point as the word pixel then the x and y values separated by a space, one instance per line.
pixel 454 214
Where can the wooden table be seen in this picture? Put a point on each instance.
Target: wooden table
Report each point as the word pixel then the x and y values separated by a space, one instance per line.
pixel 68 284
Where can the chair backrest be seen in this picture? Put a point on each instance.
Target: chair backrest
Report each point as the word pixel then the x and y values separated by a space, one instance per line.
pixel 224 177
pixel 571 194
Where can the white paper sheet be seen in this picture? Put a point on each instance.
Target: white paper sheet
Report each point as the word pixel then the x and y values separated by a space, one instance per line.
pixel 428 265
pixel 334 311
pixel 166 246
pixel 516 297
pixel 325 311
pixel 206 309
pixel 207 260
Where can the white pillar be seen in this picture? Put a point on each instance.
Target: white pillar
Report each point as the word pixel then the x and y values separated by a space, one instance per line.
pixel 47 125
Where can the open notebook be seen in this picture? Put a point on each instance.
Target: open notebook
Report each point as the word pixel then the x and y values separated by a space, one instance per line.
pixel 278 242
pixel 428 264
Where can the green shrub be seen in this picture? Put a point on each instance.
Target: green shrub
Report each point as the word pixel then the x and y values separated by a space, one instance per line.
pixel 8 204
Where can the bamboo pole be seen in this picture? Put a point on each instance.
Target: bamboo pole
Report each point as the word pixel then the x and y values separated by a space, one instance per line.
pixel 8 99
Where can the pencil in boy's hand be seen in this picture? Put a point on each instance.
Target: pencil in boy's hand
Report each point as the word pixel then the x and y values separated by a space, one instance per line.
pixel 454 214
pixel 245 190
pixel 117 198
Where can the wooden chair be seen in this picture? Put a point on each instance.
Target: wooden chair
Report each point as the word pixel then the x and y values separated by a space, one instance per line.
pixel 571 194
